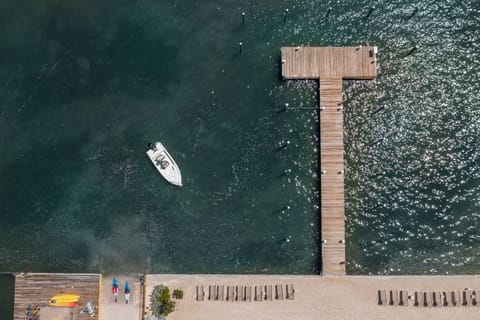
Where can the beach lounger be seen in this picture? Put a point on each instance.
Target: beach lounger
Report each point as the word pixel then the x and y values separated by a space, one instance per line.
pixel 439 299
pixel 268 292
pixel 380 301
pixel 290 292
pixel 212 293
pixel 458 298
pixel 278 292
pixel 474 298
pixel 469 298
pixel 220 292
pixel 230 293
pixel 427 299
pixel 448 299
pixel 435 300
pixel 445 299
pixel 395 297
pixel 384 298
pixel 453 300
pixel 248 293
pixel 403 298
pixel 258 293
pixel 200 293
pixel 240 293
pixel 466 298
pixel 418 299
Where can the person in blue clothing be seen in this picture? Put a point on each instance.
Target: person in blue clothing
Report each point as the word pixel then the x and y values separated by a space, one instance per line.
pixel 115 289
pixel 127 292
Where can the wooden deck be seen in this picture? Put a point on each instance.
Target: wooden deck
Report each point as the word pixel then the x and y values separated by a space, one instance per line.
pixel 330 65
pixel 37 289
pixel 329 62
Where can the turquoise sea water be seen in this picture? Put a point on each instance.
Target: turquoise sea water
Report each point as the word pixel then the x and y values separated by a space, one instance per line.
pixel 85 85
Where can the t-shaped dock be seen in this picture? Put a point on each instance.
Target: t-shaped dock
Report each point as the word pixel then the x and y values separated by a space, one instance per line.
pixel 330 65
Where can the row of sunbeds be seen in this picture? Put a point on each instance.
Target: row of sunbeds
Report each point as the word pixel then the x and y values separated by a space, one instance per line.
pixel 246 293
pixel 428 299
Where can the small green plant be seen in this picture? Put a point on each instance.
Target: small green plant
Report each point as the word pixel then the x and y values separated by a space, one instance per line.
pixel 178 294
pixel 161 303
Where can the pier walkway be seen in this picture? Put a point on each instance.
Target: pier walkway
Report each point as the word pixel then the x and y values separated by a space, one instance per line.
pixel 330 65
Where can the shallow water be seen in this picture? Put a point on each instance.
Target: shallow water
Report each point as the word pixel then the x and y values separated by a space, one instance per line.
pixel 86 85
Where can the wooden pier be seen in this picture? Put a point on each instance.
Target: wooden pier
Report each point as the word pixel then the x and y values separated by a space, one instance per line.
pixel 36 289
pixel 330 65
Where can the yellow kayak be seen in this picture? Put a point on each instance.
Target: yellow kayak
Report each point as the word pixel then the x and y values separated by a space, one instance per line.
pixel 64 300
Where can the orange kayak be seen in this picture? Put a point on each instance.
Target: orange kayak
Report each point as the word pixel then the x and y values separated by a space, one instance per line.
pixel 54 303
pixel 64 300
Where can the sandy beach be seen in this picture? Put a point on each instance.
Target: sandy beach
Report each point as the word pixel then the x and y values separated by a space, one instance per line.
pixel 111 310
pixel 314 297
pixel 343 297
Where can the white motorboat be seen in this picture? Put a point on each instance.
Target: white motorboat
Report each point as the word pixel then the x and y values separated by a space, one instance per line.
pixel 164 163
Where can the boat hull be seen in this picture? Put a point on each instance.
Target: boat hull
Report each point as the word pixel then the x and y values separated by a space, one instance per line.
pixel 165 164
